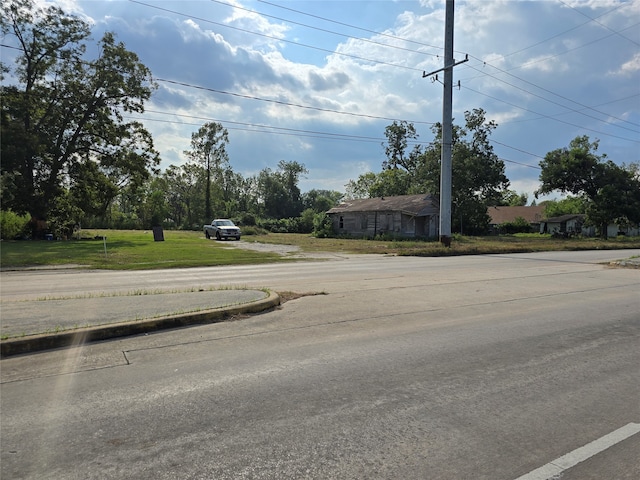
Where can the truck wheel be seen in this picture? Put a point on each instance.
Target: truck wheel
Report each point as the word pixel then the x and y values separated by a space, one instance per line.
pixel 206 234
pixel 218 236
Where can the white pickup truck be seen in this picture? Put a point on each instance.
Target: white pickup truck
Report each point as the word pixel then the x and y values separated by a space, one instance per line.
pixel 222 228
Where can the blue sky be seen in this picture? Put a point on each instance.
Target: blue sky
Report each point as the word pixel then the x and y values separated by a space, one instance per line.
pixel 317 82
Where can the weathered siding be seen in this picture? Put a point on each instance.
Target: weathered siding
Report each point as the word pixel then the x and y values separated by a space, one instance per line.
pixel 404 215
pixel 370 224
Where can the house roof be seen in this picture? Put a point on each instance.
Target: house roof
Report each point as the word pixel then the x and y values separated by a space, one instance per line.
pixel 417 205
pixel 500 215
pixel 565 218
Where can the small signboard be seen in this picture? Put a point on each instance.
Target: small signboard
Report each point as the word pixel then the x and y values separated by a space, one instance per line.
pixel 158 234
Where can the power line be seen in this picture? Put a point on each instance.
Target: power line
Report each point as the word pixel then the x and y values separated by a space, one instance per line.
pixel 288 104
pixel 562 33
pixel 304 133
pixel 278 130
pixel 324 29
pixel 550 117
pixel 272 37
pixel 584 107
pixel 382 34
pixel 599 23
pixel 504 71
pixel 530 83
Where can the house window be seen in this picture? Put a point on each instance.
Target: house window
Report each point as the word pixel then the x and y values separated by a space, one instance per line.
pixel 341 221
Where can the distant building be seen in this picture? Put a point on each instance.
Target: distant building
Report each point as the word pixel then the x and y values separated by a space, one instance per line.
pixel 402 216
pixel 574 224
pixel 570 224
pixel 499 215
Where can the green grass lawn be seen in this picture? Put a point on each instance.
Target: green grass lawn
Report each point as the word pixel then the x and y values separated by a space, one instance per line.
pixel 137 250
pixel 129 250
pixel 461 245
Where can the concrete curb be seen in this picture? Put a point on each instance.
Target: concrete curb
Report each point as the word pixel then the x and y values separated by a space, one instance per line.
pixel 36 343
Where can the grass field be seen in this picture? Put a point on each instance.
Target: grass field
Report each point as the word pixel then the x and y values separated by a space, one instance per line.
pixel 137 250
pixel 460 246
pixel 129 250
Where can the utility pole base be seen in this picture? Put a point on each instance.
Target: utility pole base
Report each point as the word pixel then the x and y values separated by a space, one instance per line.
pixel 446 241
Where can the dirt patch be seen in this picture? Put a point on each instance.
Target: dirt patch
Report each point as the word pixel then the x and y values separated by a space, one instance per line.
pixel 288 296
pixel 292 251
pixel 268 247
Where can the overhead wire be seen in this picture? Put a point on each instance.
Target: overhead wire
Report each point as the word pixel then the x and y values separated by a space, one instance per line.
pixel 542 115
pixel 591 19
pixel 584 107
pixel 289 104
pixel 278 130
pixel 383 34
pixel 369 60
pixel 312 27
pixel 305 133
pixel 562 33
pixel 278 39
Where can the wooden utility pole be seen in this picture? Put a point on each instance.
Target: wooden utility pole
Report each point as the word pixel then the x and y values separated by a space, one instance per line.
pixel 447 127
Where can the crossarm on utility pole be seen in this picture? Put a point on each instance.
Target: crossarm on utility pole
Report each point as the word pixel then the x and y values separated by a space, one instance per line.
pixel 466 59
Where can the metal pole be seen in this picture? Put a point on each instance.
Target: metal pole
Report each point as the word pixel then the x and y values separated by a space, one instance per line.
pixel 447 129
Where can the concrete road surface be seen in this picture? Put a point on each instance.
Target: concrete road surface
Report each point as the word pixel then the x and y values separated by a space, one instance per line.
pixel 496 367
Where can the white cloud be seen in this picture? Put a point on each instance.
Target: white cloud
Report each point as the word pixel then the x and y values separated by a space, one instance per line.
pixel 542 59
pixel 630 67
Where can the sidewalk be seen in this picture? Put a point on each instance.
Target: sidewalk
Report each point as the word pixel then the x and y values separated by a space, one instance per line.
pixel 44 324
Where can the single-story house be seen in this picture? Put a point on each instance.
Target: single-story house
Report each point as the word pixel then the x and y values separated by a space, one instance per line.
pixel 613 231
pixel 570 224
pixel 403 216
pixel 564 224
pixel 499 215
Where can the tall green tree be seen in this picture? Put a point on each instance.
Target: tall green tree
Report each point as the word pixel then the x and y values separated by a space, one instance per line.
pixel 478 175
pixel 278 191
pixel 209 150
pixel 511 198
pixel 565 206
pixel 611 192
pixel 320 200
pixel 361 188
pixel 63 120
pixel 478 179
pixel 399 134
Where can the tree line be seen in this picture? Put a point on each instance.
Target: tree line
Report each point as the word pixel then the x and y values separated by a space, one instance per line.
pixel 71 158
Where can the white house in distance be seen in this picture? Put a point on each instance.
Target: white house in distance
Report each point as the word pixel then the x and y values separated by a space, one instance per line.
pixel 574 224
pixel 402 216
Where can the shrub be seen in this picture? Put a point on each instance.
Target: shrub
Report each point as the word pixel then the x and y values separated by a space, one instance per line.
pixel 322 226
pixel 519 225
pixel 306 220
pixel 12 225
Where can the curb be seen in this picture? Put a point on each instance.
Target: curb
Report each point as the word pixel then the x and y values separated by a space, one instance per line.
pixel 37 343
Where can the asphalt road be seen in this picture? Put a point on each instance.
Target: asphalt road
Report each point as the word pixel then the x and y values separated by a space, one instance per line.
pixel 454 368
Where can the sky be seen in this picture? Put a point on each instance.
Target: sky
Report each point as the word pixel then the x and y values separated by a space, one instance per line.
pixel 317 82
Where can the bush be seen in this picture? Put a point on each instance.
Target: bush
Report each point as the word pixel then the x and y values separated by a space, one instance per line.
pixel 248 219
pixel 306 220
pixel 322 226
pixel 12 225
pixel 519 225
pixel 281 225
